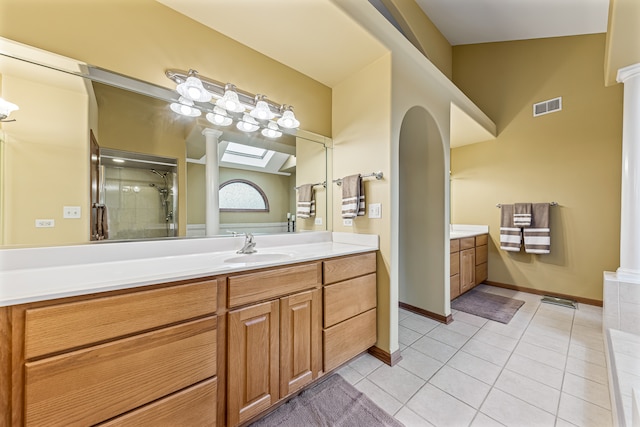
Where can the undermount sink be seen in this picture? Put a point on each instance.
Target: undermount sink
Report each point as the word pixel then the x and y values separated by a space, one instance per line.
pixel 258 257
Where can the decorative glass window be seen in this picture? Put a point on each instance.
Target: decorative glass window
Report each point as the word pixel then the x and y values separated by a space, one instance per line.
pixel 240 195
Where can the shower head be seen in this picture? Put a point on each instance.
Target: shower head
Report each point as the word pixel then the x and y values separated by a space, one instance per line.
pixel 163 175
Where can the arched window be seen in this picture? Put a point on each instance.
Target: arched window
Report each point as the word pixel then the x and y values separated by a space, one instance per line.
pixel 240 195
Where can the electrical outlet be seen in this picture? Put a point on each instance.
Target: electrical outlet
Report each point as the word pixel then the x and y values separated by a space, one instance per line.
pixel 347 222
pixel 318 221
pixel 71 212
pixel 45 223
pixel 375 210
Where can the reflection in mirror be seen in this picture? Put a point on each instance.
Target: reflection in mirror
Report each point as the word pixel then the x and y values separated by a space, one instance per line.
pixel 45 160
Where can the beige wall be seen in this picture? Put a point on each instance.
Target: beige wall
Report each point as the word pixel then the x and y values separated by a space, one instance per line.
pixel 45 156
pixel 361 145
pixel 623 38
pixel 311 168
pixel 142 38
pixel 422 33
pixel 572 157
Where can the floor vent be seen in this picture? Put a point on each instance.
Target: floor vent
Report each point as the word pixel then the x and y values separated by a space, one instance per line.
pixel 546 107
pixel 565 302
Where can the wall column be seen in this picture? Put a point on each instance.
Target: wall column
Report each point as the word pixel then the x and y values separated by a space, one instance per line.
pixel 630 201
pixel 212 198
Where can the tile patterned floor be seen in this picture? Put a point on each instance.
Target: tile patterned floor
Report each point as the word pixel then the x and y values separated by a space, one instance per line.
pixel 545 368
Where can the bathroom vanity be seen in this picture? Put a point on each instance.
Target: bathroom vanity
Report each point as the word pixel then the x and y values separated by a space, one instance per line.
pixel 468 264
pixel 183 339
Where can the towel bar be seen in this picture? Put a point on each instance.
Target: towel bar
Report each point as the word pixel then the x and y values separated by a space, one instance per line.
pixel 324 184
pixel 379 175
pixel 550 204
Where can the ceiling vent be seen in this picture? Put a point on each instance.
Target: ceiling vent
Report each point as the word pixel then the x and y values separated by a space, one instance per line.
pixel 546 107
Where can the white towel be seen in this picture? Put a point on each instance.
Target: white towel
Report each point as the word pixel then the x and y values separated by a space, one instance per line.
pixel 510 236
pixel 306 206
pixel 537 238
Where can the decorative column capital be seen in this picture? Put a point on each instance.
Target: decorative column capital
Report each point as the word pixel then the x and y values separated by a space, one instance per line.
pixel 628 72
pixel 212 132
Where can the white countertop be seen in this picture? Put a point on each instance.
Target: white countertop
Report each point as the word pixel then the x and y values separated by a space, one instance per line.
pixel 37 274
pixel 460 231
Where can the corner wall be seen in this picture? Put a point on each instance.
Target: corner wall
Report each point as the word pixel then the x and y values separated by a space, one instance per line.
pixel 572 156
pixel 361 135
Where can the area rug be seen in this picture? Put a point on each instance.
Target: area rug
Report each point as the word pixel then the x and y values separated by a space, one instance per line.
pixel 333 402
pixel 487 305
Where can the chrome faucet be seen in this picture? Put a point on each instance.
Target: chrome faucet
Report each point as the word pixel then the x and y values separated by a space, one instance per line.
pixel 249 245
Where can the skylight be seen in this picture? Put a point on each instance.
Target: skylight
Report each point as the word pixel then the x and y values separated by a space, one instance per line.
pixel 247 155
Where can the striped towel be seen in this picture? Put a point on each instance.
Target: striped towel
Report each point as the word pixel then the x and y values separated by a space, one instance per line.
pixel 522 214
pixel 537 238
pixel 352 196
pixel 510 236
pixel 306 206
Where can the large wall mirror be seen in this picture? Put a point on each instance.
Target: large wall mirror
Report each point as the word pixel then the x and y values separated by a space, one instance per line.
pixel 84 139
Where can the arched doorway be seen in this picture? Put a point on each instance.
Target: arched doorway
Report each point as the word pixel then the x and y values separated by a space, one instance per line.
pixel 423 222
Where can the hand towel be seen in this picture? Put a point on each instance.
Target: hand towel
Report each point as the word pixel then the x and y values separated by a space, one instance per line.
pixel 522 215
pixel 510 236
pixel 537 238
pixel 361 205
pixel 102 219
pixel 351 197
pixel 306 206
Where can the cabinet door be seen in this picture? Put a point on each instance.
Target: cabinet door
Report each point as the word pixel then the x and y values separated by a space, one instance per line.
pixel 252 361
pixel 300 318
pixel 467 269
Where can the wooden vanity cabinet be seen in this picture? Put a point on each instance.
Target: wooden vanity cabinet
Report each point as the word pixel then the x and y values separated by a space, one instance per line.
pixel 454 268
pixel 274 346
pixel 349 308
pixel 468 263
pixel 85 360
pixel 482 253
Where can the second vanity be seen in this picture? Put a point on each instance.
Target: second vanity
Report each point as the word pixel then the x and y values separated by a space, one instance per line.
pixel 468 265
pixel 181 338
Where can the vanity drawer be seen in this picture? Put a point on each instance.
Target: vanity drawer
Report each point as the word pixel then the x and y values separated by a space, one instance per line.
pixel 98 383
pixel 268 284
pixel 454 264
pixel 69 325
pixel 482 239
pixel 337 270
pixel 481 254
pixel 467 243
pixel 347 299
pixel 348 339
pixel 454 245
pixel 195 406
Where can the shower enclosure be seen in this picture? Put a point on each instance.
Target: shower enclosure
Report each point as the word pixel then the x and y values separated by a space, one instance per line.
pixel 140 193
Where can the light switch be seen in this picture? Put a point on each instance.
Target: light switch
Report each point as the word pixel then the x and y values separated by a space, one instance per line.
pixel 375 210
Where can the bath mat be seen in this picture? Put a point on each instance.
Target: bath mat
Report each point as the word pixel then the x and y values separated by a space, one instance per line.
pixel 490 306
pixel 333 402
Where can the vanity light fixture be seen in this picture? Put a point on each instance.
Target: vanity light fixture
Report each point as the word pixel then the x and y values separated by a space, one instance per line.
pixel 193 89
pixel 185 107
pixel 230 100
pixel 288 119
pixel 248 124
pixel 6 108
pixel 219 117
pixel 271 131
pixel 262 111
pixel 233 102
